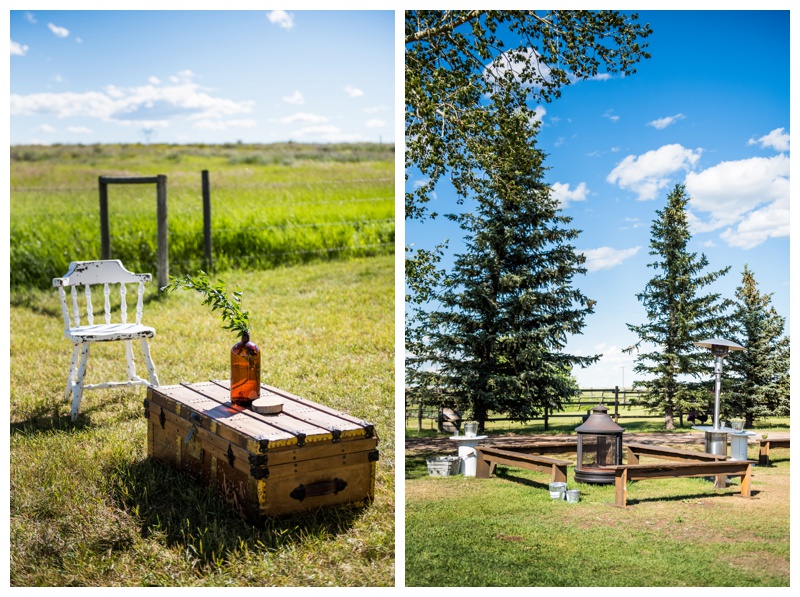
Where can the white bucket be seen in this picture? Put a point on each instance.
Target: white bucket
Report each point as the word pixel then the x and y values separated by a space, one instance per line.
pixel 573 496
pixel 557 490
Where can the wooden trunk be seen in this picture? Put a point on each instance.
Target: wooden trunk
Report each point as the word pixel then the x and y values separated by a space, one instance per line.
pixel 308 456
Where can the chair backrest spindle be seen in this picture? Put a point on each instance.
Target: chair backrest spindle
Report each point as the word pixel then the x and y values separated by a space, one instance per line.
pixel 107 303
pixel 76 312
pixel 140 303
pixel 123 302
pixel 89 311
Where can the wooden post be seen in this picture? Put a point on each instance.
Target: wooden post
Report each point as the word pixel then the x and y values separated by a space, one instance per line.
pixel 207 220
pixel 616 404
pixel 546 418
pixel 163 237
pixel 105 239
pixel 633 457
pixel 419 417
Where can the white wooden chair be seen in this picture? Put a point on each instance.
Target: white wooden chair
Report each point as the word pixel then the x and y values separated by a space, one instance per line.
pixel 102 274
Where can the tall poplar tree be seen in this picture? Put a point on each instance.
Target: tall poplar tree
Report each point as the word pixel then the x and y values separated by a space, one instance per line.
pixel 678 314
pixel 495 343
pixel 758 378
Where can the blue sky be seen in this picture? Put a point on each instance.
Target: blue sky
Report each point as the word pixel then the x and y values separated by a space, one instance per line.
pixel 710 109
pixel 201 76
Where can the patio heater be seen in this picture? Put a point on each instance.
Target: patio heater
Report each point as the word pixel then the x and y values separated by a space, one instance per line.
pixel 717 435
pixel 599 446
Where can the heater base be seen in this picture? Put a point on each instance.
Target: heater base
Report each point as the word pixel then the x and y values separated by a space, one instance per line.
pixel 594 477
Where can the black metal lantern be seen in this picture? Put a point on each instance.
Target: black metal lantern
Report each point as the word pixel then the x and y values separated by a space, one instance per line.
pixel 599 445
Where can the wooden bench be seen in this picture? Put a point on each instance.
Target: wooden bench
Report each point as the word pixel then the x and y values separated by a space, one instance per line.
pixel 636 450
pixel 634 472
pixel 489 458
pixel 765 445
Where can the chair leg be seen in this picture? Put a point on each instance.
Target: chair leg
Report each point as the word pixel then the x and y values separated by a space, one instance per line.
pixel 77 389
pixel 148 361
pixel 73 368
pixel 129 358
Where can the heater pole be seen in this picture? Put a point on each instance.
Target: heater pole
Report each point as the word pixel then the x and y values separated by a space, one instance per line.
pixel 717 386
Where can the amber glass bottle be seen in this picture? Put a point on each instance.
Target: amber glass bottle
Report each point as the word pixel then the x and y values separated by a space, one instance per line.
pixel 245 371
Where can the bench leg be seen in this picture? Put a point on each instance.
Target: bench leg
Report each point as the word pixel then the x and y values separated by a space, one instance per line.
pixel 746 482
pixel 633 457
pixel 560 473
pixel 621 488
pixel 483 468
pixel 720 481
pixel 763 455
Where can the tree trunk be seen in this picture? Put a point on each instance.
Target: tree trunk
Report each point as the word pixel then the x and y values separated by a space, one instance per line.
pixel 669 419
pixel 480 417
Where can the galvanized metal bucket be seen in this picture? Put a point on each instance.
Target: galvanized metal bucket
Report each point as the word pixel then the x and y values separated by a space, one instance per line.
pixel 573 496
pixel 557 490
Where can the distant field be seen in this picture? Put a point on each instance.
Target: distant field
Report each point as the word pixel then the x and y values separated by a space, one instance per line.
pixel 271 205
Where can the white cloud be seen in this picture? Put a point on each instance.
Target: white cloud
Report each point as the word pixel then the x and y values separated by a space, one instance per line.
pixel 296 98
pixel 374 123
pixel 565 196
pixel 327 133
pixel 606 257
pixel 281 18
pixel 58 31
pixel 776 139
pixel 610 370
pixel 184 76
pixel 650 172
pixel 538 114
pixel 46 128
pixel 662 123
pixel 729 191
pixel 153 80
pixel 612 117
pixel 18 49
pixel 749 198
pixel 78 40
pixel 30 17
pixel 223 125
pixel 303 117
pixel 80 130
pixel 376 109
pixel 353 91
pixel 133 104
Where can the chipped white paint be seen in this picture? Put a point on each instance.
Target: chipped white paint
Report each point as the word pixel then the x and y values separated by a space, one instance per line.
pixel 89 273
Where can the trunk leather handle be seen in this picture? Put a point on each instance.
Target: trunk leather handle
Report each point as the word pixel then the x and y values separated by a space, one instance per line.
pixel 301 492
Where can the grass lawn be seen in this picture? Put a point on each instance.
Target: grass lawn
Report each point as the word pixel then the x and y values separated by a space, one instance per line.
pixel 88 508
pixel 506 531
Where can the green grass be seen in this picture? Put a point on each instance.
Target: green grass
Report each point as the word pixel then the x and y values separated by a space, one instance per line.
pixel 506 531
pixel 89 508
pixel 270 205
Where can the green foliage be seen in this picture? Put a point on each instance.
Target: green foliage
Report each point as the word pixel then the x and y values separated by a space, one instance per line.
pixel 460 78
pixel 216 295
pixel 758 378
pixel 679 315
pixel 508 305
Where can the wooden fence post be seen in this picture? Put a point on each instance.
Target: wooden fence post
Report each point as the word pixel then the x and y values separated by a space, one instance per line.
pixel 616 404
pixel 209 264
pixel 163 236
pixel 105 239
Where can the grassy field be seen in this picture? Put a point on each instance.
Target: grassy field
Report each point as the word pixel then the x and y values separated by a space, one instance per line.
pixel 506 531
pixel 88 508
pixel 270 205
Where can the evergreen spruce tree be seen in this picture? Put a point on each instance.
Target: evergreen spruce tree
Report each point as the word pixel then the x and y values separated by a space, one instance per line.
pixel 758 377
pixel 678 314
pixel 495 341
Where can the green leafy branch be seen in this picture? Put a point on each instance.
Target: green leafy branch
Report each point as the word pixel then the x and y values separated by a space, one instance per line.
pixel 233 316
